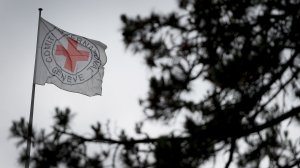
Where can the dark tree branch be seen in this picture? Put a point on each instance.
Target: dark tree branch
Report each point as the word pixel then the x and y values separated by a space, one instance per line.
pixel 239 134
pixel 296 163
pixel 231 152
pixel 276 93
pixel 274 78
pixel 272 122
pixel 122 142
pixel 114 156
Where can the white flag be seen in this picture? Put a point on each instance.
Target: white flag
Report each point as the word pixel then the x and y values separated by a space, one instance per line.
pixel 71 62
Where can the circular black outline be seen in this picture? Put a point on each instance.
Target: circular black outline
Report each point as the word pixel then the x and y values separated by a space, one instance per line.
pixel 60 67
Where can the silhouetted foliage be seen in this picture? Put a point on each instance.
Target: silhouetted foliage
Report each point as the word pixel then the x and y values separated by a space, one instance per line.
pixel 247 51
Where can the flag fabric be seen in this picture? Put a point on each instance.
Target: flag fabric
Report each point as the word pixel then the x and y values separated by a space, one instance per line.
pixel 71 62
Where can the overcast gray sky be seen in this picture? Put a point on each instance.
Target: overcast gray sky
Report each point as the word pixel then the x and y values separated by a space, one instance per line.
pixel 125 78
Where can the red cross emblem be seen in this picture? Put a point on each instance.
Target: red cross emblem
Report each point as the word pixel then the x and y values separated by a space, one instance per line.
pixel 72 54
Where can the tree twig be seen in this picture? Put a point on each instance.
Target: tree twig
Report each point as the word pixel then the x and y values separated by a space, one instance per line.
pixel 297 162
pixel 231 152
pixel 114 156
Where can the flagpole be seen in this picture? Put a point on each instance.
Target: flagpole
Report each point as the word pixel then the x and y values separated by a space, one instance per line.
pixel 32 101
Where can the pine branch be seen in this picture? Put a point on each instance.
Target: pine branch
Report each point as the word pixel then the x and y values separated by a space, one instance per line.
pixel 238 134
pixel 122 142
pixel 275 121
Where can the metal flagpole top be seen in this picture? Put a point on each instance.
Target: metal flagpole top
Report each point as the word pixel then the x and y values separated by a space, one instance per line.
pixel 40 12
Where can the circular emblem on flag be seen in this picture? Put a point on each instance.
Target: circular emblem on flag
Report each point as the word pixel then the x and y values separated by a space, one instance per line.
pixel 72 59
